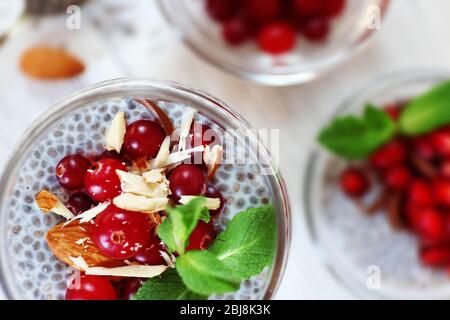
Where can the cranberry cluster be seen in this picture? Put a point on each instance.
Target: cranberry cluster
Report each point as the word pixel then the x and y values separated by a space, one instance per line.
pixel 122 234
pixel 274 23
pixel 415 175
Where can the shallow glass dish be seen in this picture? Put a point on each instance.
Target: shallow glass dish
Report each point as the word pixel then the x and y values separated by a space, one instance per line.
pixel 77 125
pixel 350 33
pixel 358 249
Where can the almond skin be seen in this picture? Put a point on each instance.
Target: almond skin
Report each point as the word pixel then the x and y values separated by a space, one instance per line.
pixel 159 114
pixel 74 240
pixel 47 63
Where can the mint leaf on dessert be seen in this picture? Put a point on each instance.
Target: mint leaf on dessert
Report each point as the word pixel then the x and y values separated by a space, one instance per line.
pixel 204 274
pixel 427 112
pixel 180 222
pixel 355 137
pixel 204 215
pixel 168 286
pixel 247 245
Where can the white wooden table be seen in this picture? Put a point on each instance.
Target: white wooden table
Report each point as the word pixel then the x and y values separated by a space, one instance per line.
pixel 415 34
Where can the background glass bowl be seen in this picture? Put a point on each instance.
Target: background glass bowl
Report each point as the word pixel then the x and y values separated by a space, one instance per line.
pixel 358 249
pixel 349 34
pixel 28 269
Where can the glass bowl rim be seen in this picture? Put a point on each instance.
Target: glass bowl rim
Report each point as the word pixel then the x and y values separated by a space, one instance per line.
pixel 106 89
pixel 283 79
pixel 317 152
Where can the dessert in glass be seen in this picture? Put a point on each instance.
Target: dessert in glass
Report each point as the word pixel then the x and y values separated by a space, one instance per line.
pixel 376 198
pixel 133 186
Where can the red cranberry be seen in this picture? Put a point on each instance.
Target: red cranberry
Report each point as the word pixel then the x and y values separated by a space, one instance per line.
pixel 308 8
pixel 315 29
pixel 393 111
pixel 420 193
pixel 101 180
pixel 441 141
pixel 91 288
pixel 333 8
pixel 390 155
pixel 441 188
pixel 436 256
pixel 70 171
pixel 213 192
pixel 397 177
pixel 277 38
pixel 445 169
pixel 221 10
pixel 263 11
pixel 201 237
pixel 119 234
pixel 79 202
pixel 130 287
pixel 354 182
pixel 109 155
pixel 187 180
pixel 430 224
pixel 423 147
pixel 143 139
pixel 150 253
pixel 235 31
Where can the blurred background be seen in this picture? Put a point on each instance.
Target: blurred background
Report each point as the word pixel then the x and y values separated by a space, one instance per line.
pixel 120 38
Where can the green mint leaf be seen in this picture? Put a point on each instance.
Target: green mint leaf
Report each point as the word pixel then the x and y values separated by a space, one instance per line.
pixel 180 222
pixel 247 245
pixel 168 286
pixel 356 138
pixel 427 112
pixel 204 215
pixel 204 274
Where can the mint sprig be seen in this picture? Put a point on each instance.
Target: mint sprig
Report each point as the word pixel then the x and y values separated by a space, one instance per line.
pixel 427 112
pixel 247 246
pixel 168 286
pixel 355 137
pixel 180 222
pixel 203 273
pixel 243 250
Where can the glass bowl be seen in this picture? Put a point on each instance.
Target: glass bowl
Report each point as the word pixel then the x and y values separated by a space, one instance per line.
pixel 349 34
pixel 363 253
pixel 28 268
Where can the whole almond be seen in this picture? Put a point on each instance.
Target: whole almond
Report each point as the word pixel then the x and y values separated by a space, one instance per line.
pixel 49 63
pixel 74 240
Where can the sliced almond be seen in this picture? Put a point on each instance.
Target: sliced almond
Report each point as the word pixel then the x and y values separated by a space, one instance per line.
pixel 136 184
pixel 210 203
pixel 116 132
pixel 163 153
pixel 168 258
pixel 75 240
pixel 135 271
pixel 48 202
pixel 177 157
pixel 213 158
pixel 90 214
pixel 154 176
pixel 186 123
pixel 131 202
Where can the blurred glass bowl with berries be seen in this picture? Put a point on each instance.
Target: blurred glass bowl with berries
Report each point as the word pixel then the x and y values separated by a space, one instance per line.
pixel 275 42
pixel 377 191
